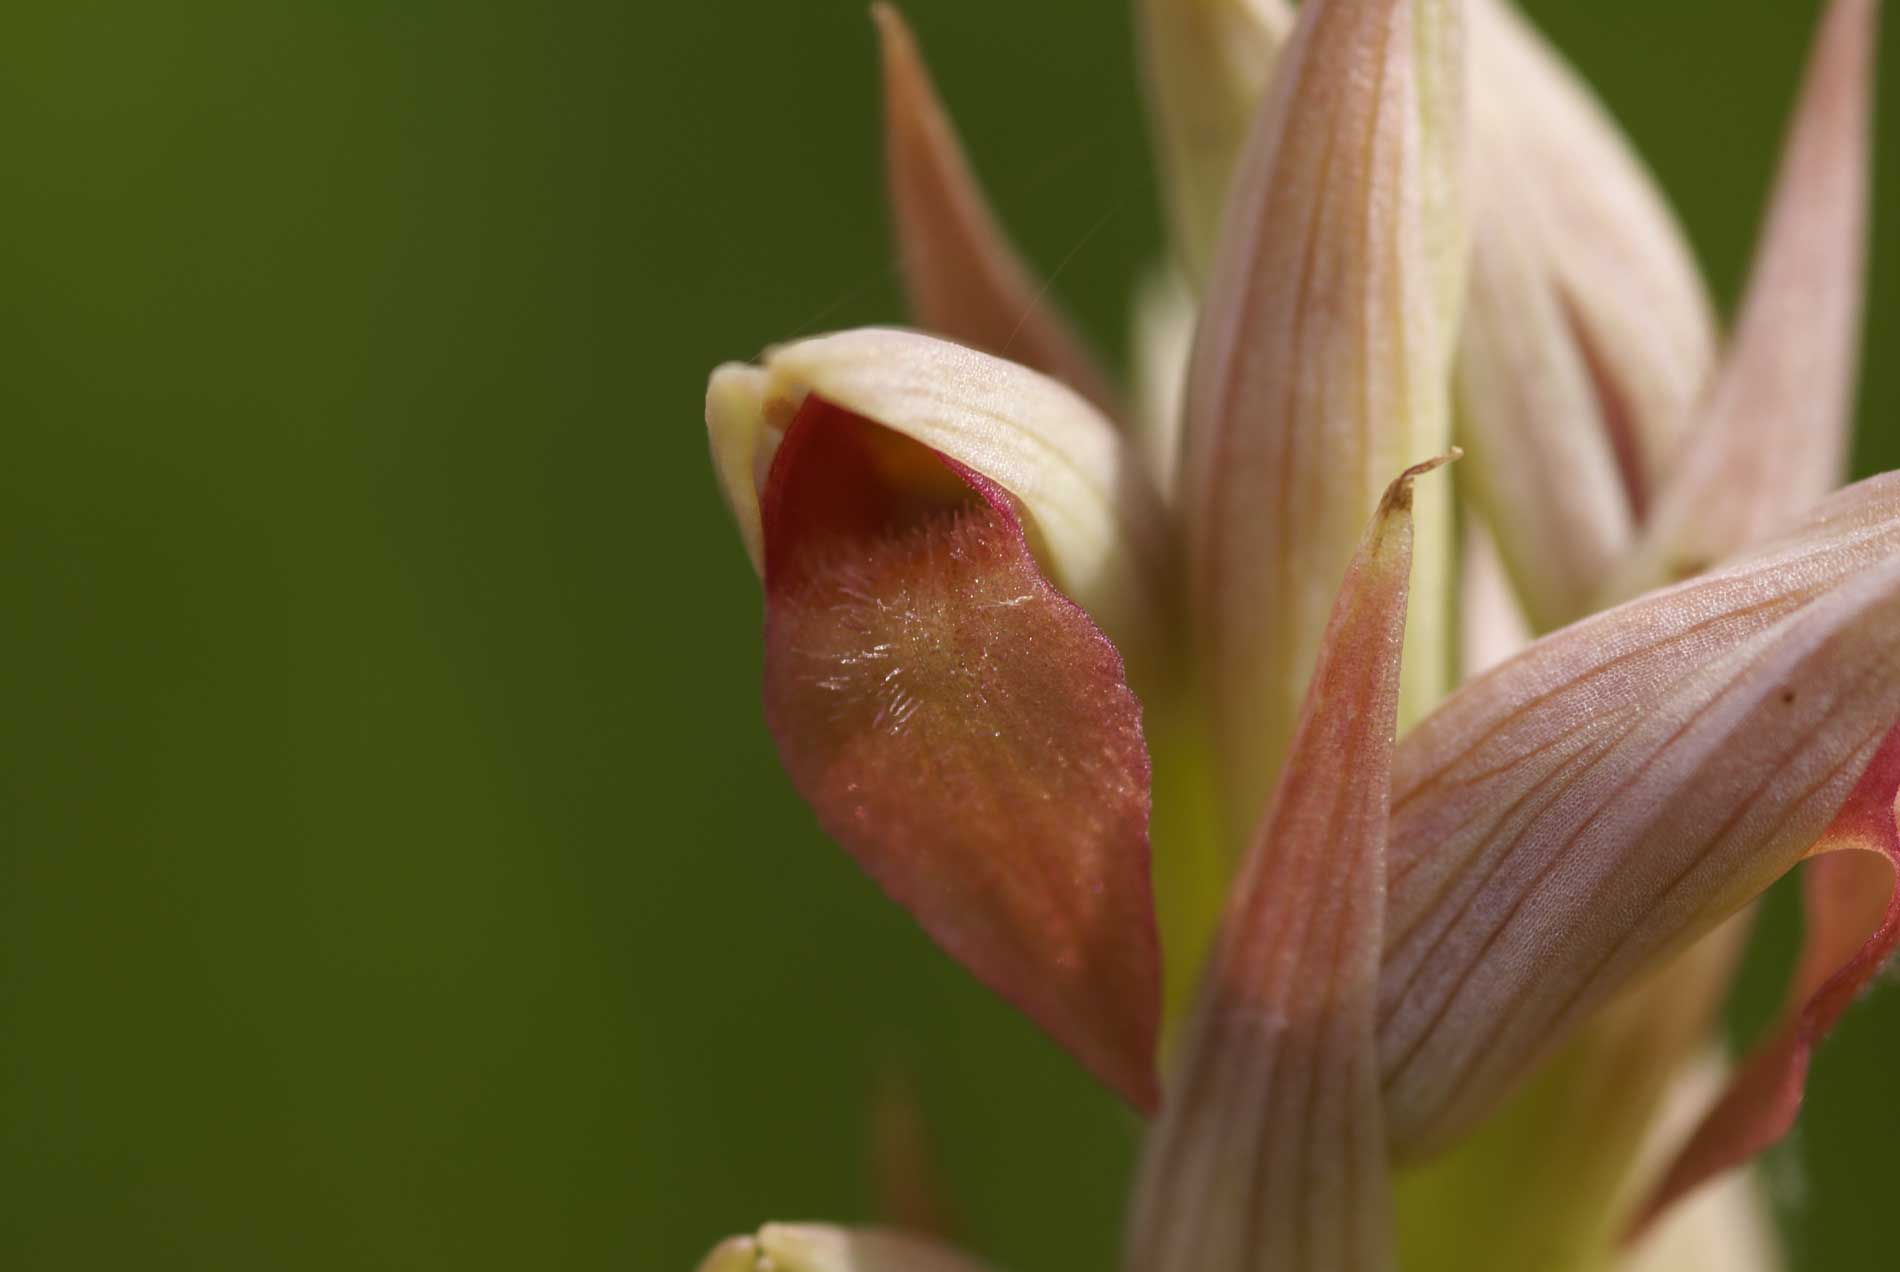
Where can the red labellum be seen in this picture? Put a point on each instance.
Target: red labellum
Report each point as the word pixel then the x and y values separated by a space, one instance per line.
pixel 963 730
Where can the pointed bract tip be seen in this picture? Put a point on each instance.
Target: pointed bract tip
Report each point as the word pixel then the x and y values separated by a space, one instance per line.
pixel 1398 496
pixel 963 277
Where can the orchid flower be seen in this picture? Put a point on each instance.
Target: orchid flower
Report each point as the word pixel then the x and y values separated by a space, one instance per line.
pixel 1079 675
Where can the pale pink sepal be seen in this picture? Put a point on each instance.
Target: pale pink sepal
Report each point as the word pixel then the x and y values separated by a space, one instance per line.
pixel 811 1247
pixel 1564 823
pixel 1852 915
pixel 963 277
pixel 1550 160
pixel 1771 436
pixel 1321 363
pixel 1544 468
pixel 1270 1153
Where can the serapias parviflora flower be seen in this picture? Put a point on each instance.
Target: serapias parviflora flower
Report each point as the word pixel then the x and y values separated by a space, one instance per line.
pixel 1012 632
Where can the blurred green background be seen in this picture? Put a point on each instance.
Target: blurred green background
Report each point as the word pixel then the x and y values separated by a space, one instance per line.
pixel 394 870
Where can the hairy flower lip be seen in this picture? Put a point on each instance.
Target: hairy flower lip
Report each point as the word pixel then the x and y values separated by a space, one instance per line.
pixel 963 730
pixel 873 484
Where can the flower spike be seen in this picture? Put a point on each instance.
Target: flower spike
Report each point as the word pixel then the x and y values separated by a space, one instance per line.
pixel 1270 1152
pixel 957 723
pixel 962 276
pixel 1476 971
pixel 1321 363
pixel 1771 437
pixel 1566 822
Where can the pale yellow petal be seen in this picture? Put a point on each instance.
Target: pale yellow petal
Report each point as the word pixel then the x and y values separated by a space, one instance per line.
pixel 808 1247
pixel 1091 512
